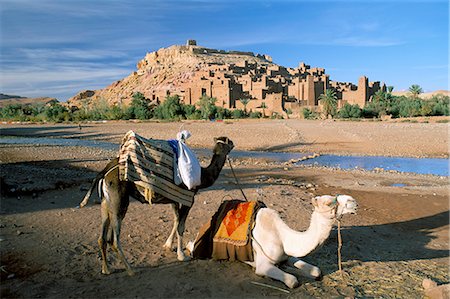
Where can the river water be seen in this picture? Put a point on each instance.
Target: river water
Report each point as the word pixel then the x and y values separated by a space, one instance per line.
pixel 434 166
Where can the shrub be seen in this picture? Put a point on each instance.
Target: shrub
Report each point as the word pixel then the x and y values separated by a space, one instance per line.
pixel 237 113
pixel 171 108
pixel 440 104
pixel 255 114
pixel 12 112
pixel 222 113
pixel 309 114
pixel 57 113
pixel 139 107
pixel 207 107
pixel 350 111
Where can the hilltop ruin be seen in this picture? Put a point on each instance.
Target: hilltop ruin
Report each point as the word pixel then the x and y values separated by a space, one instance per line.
pixel 191 71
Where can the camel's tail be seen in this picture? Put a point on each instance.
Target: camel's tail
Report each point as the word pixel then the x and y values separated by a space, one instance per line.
pixel 112 164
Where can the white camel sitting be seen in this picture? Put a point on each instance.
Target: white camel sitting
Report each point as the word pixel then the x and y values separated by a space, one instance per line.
pixel 274 243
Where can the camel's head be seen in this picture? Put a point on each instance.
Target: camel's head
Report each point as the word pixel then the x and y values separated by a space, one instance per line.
pixel 224 145
pixel 335 206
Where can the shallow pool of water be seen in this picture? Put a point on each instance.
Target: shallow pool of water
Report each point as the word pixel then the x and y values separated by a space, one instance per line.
pixel 435 166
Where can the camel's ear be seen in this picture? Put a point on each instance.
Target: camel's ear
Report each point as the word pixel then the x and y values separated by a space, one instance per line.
pixel 314 201
pixel 215 140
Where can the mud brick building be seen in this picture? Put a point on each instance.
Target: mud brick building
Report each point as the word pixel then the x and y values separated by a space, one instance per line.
pixel 191 71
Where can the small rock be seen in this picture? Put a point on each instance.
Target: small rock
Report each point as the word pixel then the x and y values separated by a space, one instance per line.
pixel 19 232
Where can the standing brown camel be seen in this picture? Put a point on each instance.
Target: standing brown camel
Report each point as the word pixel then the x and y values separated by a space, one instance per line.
pixel 115 200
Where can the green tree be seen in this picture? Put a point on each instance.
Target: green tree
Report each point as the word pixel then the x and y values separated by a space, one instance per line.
pixel 237 113
pixel 139 107
pixel 329 102
pixel 245 102
pixel 171 108
pixel 207 107
pixel 309 114
pixel 350 111
pixel 12 112
pixel 440 104
pixel 415 90
pixel 263 106
pixel 57 112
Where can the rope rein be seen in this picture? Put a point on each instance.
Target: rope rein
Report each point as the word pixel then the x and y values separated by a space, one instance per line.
pixel 237 182
pixel 339 249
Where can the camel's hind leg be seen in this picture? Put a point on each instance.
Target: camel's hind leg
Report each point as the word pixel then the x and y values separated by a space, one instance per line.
pixel 102 240
pixel 114 207
pixel 116 223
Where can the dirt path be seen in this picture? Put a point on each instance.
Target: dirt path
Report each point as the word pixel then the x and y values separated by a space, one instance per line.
pixel 399 237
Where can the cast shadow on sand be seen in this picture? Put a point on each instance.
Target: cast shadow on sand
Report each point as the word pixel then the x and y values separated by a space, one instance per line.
pixel 398 241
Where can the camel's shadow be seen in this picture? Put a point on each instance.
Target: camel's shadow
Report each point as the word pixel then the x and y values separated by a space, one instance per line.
pixel 398 241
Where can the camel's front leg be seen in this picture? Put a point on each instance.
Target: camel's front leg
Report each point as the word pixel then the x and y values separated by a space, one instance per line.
pixel 265 268
pixel 183 212
pixel 303 268
pixel 176 221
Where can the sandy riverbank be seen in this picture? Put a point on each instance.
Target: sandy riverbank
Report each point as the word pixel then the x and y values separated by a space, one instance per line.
pixel 399 237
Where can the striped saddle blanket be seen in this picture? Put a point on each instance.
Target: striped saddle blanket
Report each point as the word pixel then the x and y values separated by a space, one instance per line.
pixel 149 163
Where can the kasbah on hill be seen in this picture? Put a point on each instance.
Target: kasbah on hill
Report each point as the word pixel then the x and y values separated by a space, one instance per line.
pixel 192 71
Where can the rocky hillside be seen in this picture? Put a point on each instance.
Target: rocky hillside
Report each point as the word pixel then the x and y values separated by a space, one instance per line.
pixel 167 69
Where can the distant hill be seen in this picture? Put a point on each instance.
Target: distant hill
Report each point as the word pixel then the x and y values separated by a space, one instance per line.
pixel 425 95
pixel 13 99
pixel 7 96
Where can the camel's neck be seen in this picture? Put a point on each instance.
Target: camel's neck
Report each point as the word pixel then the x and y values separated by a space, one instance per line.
pixel 211 173
pixel 299 244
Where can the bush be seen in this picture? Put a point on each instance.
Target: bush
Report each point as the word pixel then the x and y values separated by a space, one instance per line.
pixel 170 109
pixel 12 112
pixel 238 113
pixel 440 104
pixel 57 113
pixel 139 107
pixel 207 107
pixel 222 113
pixel 255 114
pixel 350 111
pixel 309 114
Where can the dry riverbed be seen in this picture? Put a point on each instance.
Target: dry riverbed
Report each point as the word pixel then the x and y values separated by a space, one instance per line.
pixel 399 237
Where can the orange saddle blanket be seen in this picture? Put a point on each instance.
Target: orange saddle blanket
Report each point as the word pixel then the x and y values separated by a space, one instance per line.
pixel 227 234
pixel 235 226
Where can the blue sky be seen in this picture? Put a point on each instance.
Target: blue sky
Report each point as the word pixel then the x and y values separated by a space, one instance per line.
pixel 59 47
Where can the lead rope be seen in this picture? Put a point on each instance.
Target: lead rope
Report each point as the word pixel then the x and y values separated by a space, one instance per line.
pixel 339 248
pixel 237 182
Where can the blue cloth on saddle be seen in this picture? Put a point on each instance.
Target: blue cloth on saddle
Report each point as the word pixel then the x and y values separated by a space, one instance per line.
pixel 174 145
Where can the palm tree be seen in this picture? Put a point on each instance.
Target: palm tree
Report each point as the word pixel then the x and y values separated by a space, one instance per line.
pixel 263 106
pixel 329 102
pixel 415 90
pixel 244 102
pixel 390 89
